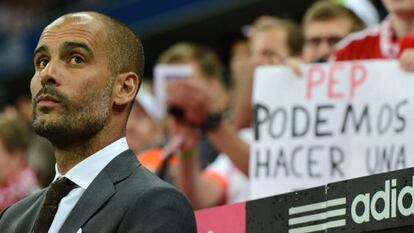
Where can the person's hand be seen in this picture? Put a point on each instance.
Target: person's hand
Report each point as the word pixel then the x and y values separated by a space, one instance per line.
pixel 294 64
pixel 407 60
pixel 185 136
pixel 242 68
pixel 192 99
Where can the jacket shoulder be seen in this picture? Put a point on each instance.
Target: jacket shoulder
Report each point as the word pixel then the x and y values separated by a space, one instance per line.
pixel 22 213
pixel 158 203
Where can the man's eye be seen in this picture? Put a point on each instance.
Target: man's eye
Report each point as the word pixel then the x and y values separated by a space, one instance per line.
pixel 43 63
pixel 75 60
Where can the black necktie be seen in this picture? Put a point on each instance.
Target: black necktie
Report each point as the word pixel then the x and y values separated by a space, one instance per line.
pixel 58 189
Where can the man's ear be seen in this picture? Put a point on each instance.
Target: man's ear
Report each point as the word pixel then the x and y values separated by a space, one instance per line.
pixel 125 87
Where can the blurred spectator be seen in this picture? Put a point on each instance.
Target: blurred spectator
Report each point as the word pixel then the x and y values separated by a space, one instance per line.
pixel 144 126
pixel 225 180
pixel 272 41
pixel 145 132
pixel 17 179
pixel 240 64
pixel 41 159
pixel 325 23
pixel 392 39
pixel 207 68
pixel 40 151
pixel 207 72
pixel 221 182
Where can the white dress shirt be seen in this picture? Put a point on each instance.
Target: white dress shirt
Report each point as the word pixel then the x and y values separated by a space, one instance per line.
pixel 83 174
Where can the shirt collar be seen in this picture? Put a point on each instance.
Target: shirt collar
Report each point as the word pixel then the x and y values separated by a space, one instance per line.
pixel 85 172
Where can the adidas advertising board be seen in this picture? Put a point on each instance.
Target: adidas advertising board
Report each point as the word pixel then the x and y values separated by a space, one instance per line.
pixel 380 203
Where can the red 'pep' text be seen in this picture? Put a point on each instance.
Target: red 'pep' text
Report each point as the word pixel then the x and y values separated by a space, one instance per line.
pixel 327 80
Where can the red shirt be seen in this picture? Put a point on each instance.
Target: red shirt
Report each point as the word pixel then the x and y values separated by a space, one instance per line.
pixel 378 42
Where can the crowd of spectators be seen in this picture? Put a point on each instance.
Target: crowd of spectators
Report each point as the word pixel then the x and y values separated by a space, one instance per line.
pixel 202 146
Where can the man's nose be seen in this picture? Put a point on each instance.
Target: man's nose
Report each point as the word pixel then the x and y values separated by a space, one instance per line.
pixel 50 73
pixel 325 49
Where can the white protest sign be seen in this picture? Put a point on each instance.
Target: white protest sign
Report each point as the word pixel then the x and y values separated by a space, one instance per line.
pixel 163 73
pixel 338 121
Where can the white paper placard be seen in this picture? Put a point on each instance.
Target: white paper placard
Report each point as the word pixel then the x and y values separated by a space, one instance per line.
pixel 163 73
pixel 338 121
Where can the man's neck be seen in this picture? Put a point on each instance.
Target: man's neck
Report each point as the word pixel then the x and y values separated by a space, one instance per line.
pixel 69 156
pixel 402 25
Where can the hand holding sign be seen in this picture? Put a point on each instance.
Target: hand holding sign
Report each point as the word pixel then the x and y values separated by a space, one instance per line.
pixel 406 53
pixel 407 60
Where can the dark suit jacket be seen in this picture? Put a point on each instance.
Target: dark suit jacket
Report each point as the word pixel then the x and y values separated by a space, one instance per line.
pixel 124 197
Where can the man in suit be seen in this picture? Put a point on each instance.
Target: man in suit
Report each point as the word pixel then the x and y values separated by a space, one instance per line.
pixel 88 68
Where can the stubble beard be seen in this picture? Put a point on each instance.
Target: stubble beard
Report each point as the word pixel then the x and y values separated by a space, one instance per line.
pixel 76 123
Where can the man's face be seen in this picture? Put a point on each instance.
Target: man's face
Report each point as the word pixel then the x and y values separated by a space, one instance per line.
pixel 71 88
pixel 321 37
pixel 400 7
pixel 269 47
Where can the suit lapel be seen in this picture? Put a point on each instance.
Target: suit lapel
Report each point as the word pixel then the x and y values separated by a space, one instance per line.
pixel 29 217
pixel 100 190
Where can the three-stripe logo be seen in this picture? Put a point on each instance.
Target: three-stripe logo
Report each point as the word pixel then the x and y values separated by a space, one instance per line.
pixel 317 216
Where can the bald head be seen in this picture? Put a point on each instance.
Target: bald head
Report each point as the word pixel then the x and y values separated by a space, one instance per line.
pixel 123 47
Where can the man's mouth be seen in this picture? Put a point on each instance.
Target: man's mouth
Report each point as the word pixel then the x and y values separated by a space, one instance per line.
pixel 46 100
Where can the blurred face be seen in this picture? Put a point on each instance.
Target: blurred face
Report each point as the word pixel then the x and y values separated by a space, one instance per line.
pixel 141 129
pixel 24 107
pixel 213 85
pixel 321 37
pixel 198 74
pixel 71 87
pixel 400 7
pixel 7 163
pixel 269 47
pixel 215 88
